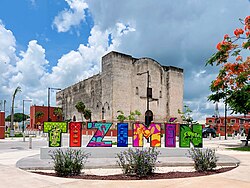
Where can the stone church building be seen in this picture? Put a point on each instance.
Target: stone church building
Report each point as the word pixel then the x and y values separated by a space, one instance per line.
pixel 122 85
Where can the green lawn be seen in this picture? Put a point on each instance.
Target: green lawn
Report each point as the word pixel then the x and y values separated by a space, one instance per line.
pixel 244 148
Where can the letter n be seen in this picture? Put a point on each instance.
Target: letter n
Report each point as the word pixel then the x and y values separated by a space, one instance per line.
pixel 193 135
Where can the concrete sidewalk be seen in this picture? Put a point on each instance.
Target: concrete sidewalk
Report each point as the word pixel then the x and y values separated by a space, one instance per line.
pixel 13 177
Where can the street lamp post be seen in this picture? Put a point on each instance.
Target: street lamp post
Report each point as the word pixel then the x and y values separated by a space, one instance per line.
pixel 149 92
pixel 4 104
pixel 28 100
pixel 50 88
pixel 225 121
pixel 149 95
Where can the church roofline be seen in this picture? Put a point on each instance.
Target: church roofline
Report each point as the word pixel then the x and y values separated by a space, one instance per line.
pixel 115 53
pixel 167 68
pixel 77 83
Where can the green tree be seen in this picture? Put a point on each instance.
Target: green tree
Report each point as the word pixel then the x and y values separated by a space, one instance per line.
pixel 133 115
pixel 87 114
pixel 121 117
pixel 80 106
pixel 186 115
pixel 39 114
pixel 18 89
pixel 18 117
pixel 58 112
pixel 239 100
pixel 232 82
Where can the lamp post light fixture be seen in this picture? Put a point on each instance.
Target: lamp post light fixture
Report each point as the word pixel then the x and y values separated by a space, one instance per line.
pixel 27 100
pixel 50 88
pixel 103 108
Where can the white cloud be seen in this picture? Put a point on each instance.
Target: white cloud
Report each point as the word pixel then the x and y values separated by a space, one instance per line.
pixel 25 71
pixel 33 2
pixel 124 29
pixel 70 17
pixel 200 73
pixel 30 70
pixel 180 34
pixel 85 61
pixel 7 45
pixel 31 67
pixel 7 59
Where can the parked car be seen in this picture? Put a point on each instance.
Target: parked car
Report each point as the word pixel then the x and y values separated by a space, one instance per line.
pixel 206 131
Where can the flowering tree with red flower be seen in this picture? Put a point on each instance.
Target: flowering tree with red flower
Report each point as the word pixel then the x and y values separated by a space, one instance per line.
pixel 232 82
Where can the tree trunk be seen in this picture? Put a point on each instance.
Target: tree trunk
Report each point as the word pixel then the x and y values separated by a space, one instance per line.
pixel 12 114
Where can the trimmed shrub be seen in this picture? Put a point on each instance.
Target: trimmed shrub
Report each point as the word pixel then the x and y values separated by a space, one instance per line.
pixel 136 162
pixel 69 162
pixel 203 160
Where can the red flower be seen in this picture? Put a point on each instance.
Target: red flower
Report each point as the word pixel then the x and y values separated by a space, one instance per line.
pixel 238 32
pixel 226 36
pixel 239 58
pixel 247 33
pixel 218 46
pixel 247 20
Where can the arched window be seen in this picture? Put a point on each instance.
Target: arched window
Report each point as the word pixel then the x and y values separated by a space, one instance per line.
pixel 137 91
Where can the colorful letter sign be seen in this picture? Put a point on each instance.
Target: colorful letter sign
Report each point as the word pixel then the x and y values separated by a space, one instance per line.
pixel 102 129
pixel 170 134
pixel 193 135
pixel 187 134
pixel 55 130
pixel 75 134
pixel 153 131
pixel 122 135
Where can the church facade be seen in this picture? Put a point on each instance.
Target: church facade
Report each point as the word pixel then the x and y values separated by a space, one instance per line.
pixel 122 85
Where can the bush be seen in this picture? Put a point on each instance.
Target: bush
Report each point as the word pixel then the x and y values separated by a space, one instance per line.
pixel 203 160
pixel 18 134
pixel 136 162
pixel 69 162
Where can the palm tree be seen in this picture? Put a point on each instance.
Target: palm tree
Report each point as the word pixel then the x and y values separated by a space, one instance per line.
pixel 80 106
pixel 57 112
pixel 39 114
pixel 18 89
pixel 87 114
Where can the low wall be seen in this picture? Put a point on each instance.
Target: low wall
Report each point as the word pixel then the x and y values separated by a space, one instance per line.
pixel 111 152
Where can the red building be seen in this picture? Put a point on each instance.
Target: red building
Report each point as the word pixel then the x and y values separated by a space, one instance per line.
pixel 234 124
pixel 36 121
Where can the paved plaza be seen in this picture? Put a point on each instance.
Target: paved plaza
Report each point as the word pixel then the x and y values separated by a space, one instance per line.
pixel 15 154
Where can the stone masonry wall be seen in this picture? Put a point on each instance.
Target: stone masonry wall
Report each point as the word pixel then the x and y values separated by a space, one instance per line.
pixel 118 87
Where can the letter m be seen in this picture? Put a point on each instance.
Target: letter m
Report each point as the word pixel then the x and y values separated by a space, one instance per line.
pixel 153 131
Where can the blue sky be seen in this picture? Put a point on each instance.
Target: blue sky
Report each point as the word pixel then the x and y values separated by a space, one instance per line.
pixel 55 43
pixel 30 20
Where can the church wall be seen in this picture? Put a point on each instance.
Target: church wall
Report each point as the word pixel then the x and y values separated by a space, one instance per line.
pixel 118 87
